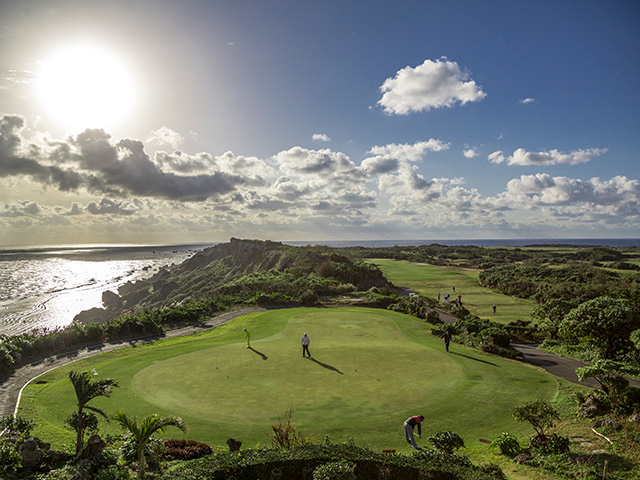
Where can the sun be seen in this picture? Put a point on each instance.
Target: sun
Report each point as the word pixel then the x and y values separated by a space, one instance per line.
pixel 86 86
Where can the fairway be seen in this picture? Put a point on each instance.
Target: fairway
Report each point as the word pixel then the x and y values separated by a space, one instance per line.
pixel 429 280
pixel 370 370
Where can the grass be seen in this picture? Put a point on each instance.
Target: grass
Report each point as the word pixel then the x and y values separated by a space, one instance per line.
pixel 371 369
pixel 429 280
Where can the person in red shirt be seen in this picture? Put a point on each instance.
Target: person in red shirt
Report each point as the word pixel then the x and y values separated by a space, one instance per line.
pixel 409 425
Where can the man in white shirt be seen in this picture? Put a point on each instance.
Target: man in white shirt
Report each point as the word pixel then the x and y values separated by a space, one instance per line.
pixel 305 344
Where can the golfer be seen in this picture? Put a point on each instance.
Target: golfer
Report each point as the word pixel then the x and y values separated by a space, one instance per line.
pixel 409 425
pixel 446 336
pixel 247 335
pixel 305 344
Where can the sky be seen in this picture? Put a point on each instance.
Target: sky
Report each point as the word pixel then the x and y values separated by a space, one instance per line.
pixel 152 121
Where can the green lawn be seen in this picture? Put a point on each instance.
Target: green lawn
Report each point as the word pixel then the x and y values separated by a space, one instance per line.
pixel 371 369
pixel 429 280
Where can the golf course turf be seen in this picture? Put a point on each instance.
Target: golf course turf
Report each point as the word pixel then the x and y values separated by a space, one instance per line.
pixel 370 369
pixel 429 280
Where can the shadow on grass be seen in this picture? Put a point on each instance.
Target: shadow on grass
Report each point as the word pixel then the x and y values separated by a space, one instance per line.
pixel 264 357
pixel 324 365
pixel 471 358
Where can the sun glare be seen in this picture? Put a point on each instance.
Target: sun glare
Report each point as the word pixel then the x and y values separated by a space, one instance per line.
pixel 86 86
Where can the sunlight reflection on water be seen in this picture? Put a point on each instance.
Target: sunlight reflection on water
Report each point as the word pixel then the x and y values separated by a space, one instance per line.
pixel 46 289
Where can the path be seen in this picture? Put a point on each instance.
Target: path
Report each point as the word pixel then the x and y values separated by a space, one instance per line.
pixel 563 367
pixel 11 386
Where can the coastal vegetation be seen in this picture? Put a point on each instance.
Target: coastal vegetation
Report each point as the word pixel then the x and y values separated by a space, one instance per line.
pixel 579 301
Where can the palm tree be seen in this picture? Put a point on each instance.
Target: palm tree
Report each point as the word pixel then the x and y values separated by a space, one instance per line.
pixel 142 432
pixel 86 390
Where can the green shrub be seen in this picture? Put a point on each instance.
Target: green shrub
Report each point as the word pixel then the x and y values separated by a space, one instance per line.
pixel 507 444
pixel 154 450
pixel 89 422
pixel 335 471
pixel 539 413
pixel 553 444
pixel 16 425
pixel 447 442
pixel 10 460
pixel 299 462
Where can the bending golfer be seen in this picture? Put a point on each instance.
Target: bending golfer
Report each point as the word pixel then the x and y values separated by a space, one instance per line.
pixel 409 425
pixel 247 335
pixel 305 344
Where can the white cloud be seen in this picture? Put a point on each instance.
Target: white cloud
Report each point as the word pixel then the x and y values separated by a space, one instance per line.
pixel 434 84
pixel 543 189
pixel 470 153
pixel 552 157
pixel 94 185
pixel 524 101
pixel 301 161
pixel 165 136
pixel 387 158
pixel 321 137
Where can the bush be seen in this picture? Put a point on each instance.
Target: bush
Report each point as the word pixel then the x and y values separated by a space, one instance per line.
pixel 507 444
pixel 553 444
pixel 539 413
pixel 16 425
pixel 447 442
pixel 285 434
pixel 180 449
pixel 10 460
pixel 300 462
pixel 335 471
pixel 89 422
pixel 153 451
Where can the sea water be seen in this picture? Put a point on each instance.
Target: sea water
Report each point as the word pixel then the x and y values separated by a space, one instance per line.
pixel 44 288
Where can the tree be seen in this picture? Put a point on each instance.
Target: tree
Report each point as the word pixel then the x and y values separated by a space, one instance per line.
pixel 539 413
pixel 551 313
pixel 143 431
pixel 604 324
pixel 86 390
pixel 610 375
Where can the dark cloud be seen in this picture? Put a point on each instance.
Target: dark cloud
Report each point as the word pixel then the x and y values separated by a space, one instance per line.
pixel 103 167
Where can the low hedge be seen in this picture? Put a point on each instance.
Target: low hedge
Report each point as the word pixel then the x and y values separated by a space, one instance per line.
pixel 300 462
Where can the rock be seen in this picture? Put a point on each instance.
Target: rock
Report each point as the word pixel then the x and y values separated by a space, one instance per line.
pixel 95 446
pixel 110 299
pixel 234 445
pixel 31 455
pixel 592 407
pixel 581 458
pixel 607 423
pixel 93 315
pixel 523 459
pixel 57 456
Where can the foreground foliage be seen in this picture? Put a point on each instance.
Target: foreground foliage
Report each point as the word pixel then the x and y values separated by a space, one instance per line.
pixel 304 461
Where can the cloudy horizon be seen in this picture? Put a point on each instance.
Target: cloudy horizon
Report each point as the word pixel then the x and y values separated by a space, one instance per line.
pixel 442 141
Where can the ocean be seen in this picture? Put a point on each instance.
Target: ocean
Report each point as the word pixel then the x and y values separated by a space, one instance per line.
pixel 44 288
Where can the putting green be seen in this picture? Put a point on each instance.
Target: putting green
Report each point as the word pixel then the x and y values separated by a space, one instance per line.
pixel 370 369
